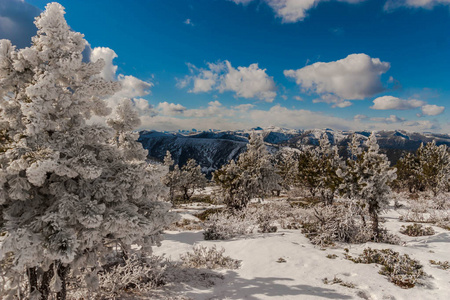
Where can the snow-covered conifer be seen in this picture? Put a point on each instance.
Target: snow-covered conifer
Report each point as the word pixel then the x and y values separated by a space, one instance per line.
pixel 434 163
pixel 366 180
pixel 317 169
pixel 409 173
pixel 253 175
pixel 70 191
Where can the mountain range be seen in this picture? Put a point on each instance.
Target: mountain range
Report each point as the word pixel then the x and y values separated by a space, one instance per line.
pixel 212 149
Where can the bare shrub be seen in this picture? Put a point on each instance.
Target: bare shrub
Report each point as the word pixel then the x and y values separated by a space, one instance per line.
pixel 400 269
pixel 326 225
pixel 443 265
pixel 226 225
pixel 337 280
pixel 416 230
pixel 209 258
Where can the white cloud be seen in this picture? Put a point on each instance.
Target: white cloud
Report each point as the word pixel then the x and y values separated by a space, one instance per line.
pixel 108 55
pixel 432 110
pixel 291 11
pixel 389 120
pixel 428 4
pixel 245 82
pixel 360 117
pixel 243 107
pixel 298 98
pixel 171 109
pixel 421 125
pixel 132 87
pixel 355 77
pixel 218 116
pixel 188 22
pixel 390 102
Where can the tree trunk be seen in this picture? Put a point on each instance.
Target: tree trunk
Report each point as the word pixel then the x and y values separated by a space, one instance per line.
pixel 186 194
pixel 32 279
pixel 62 273
pixel 45 283
pixel 375 228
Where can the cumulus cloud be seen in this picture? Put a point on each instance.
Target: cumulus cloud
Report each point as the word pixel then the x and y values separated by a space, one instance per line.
pixel 360 117
pixel 245 82
pixel 390 102
pixel 428 4
pixel 389 120
pixel 171 109
pixel 243 107
pixel 107 54
pixel 291 11
pixel 188 22
pixel 432 110
pixel 218 116
pixel 16 22
pixel 132 87
pixel 355 77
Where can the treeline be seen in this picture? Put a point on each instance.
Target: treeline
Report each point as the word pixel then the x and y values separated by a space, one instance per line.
pixel 363 176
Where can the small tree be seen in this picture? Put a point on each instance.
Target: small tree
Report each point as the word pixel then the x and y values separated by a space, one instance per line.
pixel 366 179
pixel 171 178
pixel 253 175
pixel 191 178
pixel 308 172
pixel 435 166
pixel 409 173
pixel 317 170
pixel 71 193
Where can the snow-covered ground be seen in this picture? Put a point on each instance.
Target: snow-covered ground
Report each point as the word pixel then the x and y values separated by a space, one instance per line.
pixel 301 272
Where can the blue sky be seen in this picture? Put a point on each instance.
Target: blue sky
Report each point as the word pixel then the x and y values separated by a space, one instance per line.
pixel 230 64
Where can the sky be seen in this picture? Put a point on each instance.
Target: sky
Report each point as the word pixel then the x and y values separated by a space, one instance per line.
pixel 238 64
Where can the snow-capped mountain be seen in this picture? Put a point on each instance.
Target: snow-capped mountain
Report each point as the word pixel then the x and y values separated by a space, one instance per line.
pixel 212 149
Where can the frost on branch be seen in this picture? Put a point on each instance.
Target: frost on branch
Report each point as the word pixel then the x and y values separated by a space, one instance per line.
pixel 366 178
pixel 70 191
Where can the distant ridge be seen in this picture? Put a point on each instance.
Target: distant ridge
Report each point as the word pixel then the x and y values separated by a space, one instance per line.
pixel 213 148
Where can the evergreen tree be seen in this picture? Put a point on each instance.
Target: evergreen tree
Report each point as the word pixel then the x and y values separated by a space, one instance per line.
pixel 308 172
pixel 409 173
pixel 329 162
pixel 317 170
pixel 366 180
pixel 253 175
pixel 435 166
pixel 190 178
pixel 70 191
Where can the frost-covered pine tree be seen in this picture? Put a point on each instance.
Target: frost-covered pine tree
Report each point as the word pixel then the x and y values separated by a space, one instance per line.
pixel 70 192
pixel 366 180
pixel 409 173
pixel 253 175
pixel 434 164
pixel 287 166
pixel 329 162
